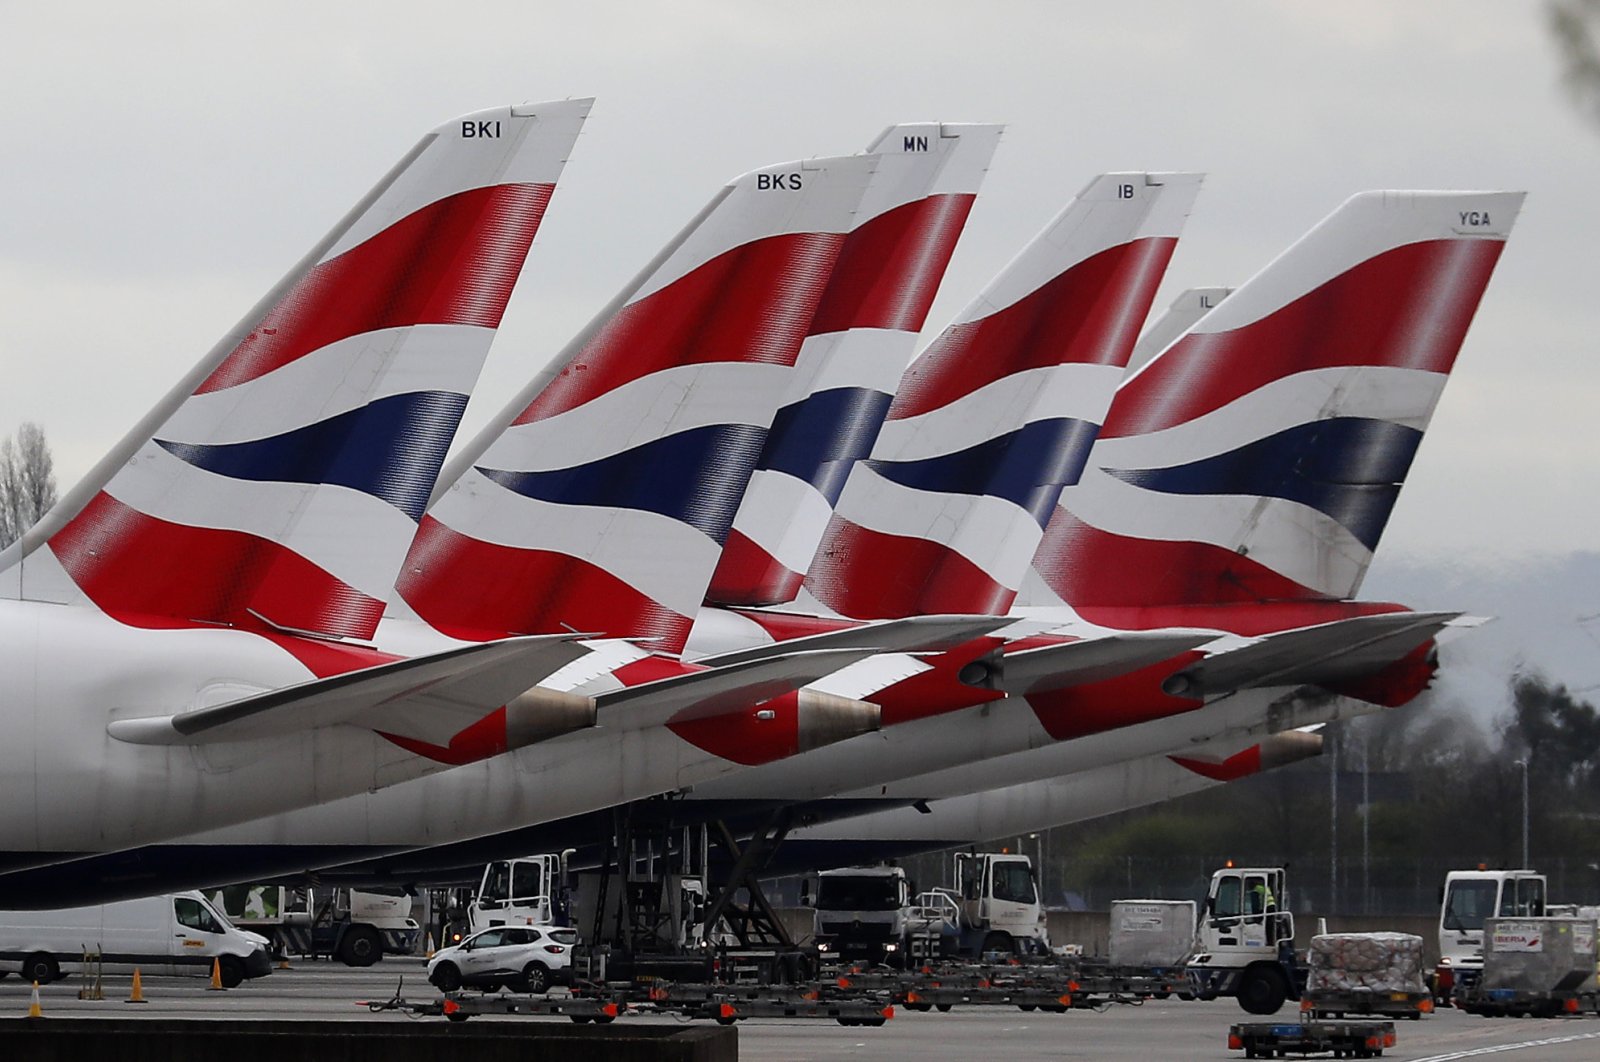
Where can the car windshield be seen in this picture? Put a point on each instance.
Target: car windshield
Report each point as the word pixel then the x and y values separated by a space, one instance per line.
pixel 879 892
pixel 1468 903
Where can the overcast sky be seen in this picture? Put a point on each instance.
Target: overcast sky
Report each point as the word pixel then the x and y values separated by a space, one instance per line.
pixel 166 162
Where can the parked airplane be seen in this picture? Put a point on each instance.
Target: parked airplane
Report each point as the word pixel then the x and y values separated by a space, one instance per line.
pixel 641 437
pixel 1430 274
pixel 199 581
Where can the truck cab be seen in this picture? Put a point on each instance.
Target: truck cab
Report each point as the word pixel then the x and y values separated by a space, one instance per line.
pixel 1467 899
pixel 1244 946
pixel 1000 902
pixel 529 891
pixel 862 912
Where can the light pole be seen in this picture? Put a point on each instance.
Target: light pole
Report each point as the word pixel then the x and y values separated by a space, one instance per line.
pixel 1038 840
pixel 1523 763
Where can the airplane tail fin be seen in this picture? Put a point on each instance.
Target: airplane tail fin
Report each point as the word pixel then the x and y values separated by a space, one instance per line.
pixel 1179 316
pixel 998 414
pixel 864 332
pixel 1258 457
pixel 279 484
pixel 599 500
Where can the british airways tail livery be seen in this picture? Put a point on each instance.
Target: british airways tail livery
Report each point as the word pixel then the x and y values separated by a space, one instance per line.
pixel 998 414
pixel 279 485
pixel 1179 316
pixel 1273 481
pixel 218 567
pixel 860 341
pixel 600 499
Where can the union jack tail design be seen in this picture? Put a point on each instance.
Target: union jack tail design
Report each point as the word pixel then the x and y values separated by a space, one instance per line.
pixel 279 485
pixel 999 413
pixel 860 341
pixel 600 499
pixel 1258 457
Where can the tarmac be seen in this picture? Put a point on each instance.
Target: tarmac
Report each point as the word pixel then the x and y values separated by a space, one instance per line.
pixel 1169 1029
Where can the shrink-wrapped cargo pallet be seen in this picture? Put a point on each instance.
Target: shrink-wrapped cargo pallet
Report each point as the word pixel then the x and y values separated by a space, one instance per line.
pixel 1151 932
pixel 1366 962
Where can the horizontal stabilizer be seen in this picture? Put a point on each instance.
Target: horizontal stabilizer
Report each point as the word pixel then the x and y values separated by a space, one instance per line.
pixel 915 634
pixel 718 691
pixel 426 697
pixel 1054 667
pixel 1327 653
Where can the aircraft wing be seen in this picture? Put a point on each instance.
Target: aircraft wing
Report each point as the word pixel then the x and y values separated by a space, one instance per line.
pixel 720 690
pixel 426 697
pixel 914 634
pixel 1327 653
pixel 1095 659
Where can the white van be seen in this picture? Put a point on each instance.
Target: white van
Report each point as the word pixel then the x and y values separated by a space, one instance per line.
pixel 172 934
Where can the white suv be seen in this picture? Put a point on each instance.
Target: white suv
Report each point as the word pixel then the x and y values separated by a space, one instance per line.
pixel 529 958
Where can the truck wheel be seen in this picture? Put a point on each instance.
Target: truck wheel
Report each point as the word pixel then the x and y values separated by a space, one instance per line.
pixel 446 978
pixel 232 970
pixel 999 942
pixel 536 978
pixel 1262 990
pixel 360 946
pixel 40 967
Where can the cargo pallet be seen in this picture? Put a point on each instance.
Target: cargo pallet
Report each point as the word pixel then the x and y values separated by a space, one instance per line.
pixel 1330 1004
pixel 1343 1039
pixel 1038 985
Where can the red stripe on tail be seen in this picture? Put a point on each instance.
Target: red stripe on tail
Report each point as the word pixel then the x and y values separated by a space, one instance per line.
pixel 1070 319
pixel 1087 567
pixel 1406 308
pixel 890 267
pixel 478 591
pixel 751 304
pixel 452 262
pixel 144 571
pixel 870 575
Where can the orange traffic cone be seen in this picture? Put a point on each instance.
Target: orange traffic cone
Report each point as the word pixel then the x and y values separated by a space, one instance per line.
pixel 136 994
pixel 33 1007
pixel 216 976
pixel 429 945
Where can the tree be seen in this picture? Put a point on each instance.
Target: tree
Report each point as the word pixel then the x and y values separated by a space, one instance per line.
pixel 27 481
pixel 1575 25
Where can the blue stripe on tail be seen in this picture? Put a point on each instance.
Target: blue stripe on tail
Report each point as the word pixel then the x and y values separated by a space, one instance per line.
pixel 696 477
pixel 391 448
pixel 1348 468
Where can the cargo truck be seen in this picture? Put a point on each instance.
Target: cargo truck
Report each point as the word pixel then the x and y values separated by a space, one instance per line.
pixel 355 926
pixel 992 906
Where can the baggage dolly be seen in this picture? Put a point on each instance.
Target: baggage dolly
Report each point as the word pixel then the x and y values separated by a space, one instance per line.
pixel 1343 1039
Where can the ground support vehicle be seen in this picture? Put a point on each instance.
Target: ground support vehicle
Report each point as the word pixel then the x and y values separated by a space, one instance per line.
pixel 171 934
pixel 356 927
pixel 530 958
pixel 461 1006
pixel 1469 898
pixel 1244 946
pixel 1519 1003
pixel 1534 966
pixel 1342 1039
pixel 1327 1004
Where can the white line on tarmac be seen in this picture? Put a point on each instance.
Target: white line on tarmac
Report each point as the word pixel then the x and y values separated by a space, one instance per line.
pixel 1497 1048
